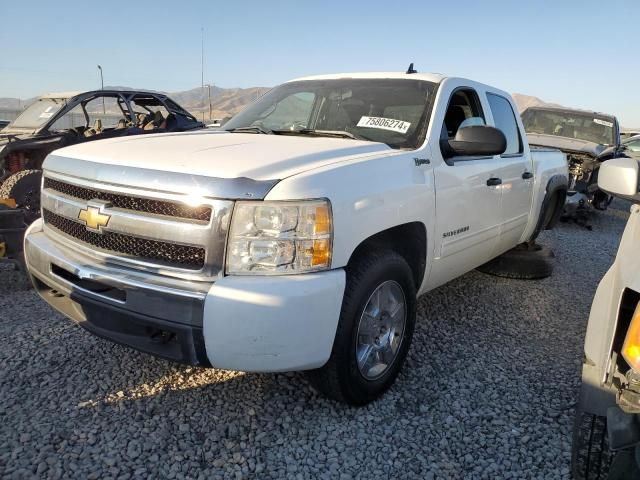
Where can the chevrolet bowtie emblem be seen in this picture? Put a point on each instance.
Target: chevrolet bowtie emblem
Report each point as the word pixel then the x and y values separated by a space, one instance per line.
pixel 93 218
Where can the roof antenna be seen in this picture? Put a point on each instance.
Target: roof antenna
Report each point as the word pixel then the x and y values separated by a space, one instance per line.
pixel 411 69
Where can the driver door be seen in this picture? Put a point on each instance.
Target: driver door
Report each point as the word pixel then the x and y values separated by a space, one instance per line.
pixel 468 218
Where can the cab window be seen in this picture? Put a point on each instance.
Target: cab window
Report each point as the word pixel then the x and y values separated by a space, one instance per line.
pixel 505 120
pixel 464 110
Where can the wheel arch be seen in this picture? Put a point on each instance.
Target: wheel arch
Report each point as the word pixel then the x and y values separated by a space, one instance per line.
pixel 409 240
pixel 552 205
pixel 554 200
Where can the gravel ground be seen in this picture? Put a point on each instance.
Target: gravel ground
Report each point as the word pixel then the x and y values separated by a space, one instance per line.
pixel 488 391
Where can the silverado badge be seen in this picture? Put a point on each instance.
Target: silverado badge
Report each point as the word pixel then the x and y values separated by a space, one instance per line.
pixel 93 218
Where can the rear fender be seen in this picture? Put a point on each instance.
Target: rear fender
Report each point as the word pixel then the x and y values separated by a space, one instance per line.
pixel 552 204
pixel 557 185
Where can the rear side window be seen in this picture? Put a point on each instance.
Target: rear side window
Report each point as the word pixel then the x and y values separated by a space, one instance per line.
pixel 505 120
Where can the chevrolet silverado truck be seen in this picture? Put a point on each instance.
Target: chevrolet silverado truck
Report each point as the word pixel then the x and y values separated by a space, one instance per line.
pixel 299 236
pixel 606 441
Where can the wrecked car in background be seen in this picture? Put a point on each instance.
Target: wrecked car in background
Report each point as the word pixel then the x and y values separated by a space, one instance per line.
pixel 60 119
pixel 588 139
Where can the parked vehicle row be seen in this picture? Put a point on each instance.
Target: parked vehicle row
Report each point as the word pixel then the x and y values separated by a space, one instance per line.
pixel 299 235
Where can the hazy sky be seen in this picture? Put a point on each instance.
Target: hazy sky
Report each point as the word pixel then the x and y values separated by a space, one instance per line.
pixel 581 53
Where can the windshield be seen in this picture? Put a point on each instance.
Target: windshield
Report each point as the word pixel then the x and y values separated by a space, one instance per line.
pixel 391 111
pixel 38 113
pixel 581 126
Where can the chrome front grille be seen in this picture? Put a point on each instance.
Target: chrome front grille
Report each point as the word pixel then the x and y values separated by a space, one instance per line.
pixel 148 230
pixel 141 248
pixel 128 202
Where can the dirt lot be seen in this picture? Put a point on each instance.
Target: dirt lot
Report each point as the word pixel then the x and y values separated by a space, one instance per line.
pixel 488 391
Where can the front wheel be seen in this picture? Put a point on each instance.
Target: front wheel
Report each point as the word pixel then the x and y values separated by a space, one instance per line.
pixel 374 332
pixel 590 456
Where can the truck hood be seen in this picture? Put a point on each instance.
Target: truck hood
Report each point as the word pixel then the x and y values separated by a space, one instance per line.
pixel 212 163
pixel 566 144
pixel 221 154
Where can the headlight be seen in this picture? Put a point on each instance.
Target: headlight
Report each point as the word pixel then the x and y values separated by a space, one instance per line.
pixel 631 346
pixel 269 238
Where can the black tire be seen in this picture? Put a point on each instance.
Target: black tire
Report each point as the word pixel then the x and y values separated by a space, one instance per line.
pixel 340 379
pixel 523 263
pixel 590 454
pixel 24 188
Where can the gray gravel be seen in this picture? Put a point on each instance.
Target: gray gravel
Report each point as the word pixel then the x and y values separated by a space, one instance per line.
pixel 489 392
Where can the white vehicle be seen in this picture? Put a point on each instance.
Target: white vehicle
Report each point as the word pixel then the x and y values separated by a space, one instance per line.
pixel 298 237
pixel 607 432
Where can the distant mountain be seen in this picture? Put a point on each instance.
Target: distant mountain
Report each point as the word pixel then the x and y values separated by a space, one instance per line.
pixel 225 102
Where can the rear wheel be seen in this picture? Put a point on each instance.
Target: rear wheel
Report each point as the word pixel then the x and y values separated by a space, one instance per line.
pixel 374 332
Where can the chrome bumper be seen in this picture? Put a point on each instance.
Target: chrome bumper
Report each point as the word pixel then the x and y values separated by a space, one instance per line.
pixel 154 314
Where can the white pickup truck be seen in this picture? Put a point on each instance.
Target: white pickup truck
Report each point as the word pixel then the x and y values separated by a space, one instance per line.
pixel 299 236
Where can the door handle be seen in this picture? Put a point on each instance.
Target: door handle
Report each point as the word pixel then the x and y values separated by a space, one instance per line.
pixel 492 182
pixel 527 175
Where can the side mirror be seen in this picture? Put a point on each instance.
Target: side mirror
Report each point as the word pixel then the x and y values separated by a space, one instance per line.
pixel 477 140
pixel 620 176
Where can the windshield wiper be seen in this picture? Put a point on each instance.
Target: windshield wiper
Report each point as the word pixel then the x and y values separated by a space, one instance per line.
pixel 302 131
pixel 323 133
pixel 252 129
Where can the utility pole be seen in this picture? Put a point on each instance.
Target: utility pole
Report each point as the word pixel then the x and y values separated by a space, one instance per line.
pixel 202 64
pixel 202 56
pixel 102 88
pixel 210 108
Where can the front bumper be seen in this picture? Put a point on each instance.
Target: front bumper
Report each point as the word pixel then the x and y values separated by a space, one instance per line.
pixel 136 309
pixel 278 323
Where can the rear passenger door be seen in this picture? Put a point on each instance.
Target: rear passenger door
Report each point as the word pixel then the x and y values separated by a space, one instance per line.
pixel 516 173
pixel 469 214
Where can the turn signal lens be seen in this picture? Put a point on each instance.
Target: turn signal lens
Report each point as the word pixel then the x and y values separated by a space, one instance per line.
pixel 631 346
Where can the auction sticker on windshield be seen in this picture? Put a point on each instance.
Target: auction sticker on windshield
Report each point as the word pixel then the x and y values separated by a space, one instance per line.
pixel 602 122
pixel 384 124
